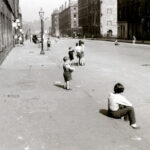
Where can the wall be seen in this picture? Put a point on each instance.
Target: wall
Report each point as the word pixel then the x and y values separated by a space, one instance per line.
pixel 108 18
pixel 136 14
pixel 6 31
pixel 83 16
pixel 65 22
pixel 7 17
pixel 55 24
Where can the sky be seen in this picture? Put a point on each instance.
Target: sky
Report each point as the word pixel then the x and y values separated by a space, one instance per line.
pixel 30 8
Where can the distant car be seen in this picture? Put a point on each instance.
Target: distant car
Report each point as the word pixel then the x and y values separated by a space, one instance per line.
pixel 36 39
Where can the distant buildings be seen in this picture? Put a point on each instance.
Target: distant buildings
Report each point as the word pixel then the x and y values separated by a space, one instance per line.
pixel 98 18
pixel 9 12
pixel 83 16
pixel 106 18
pixel 134 19
pixel 66 19
pixel 55 23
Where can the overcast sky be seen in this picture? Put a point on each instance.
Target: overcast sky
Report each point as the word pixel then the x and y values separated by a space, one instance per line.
pixel 30 8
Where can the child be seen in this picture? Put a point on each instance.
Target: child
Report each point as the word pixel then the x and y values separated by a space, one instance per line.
pixel 119 106
pixel 78 52
pixel 82 53
pixel 67 72
pixel 71 54
pixel 116 43
pixel 134 40
pixel 48 44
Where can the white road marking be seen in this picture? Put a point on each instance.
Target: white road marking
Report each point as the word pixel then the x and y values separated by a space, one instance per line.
pixel 27 148
pixel 137 138
pixel 20 138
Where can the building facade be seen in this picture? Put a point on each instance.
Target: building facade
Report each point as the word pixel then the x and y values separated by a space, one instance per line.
pixel 68 19
pixel 134 19
pixel 108 18
pixel 55 23
pixel 83 17
pixel 8 14
pixel 98 18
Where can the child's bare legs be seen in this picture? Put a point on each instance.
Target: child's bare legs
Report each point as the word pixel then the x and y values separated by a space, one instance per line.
pixel 67 85
pixel 82 62
pixel 79 61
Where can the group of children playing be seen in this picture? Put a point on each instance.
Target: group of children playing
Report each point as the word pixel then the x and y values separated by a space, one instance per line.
pixel 118 105
pixel 79 51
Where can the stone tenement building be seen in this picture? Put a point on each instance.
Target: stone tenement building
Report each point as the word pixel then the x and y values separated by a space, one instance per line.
pixel 9 11
pixel 134 19
pixel 55 23
pixel 98 18
pixel 68 19
pixel 108 18
pixel 83 16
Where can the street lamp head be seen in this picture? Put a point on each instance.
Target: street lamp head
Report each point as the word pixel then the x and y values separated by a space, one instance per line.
pixel 41 13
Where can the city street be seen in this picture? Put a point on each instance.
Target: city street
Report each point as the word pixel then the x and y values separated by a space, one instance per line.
pixel 35 114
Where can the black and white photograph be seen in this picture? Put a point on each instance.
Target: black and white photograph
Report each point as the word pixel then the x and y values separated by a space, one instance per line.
pixel 74 74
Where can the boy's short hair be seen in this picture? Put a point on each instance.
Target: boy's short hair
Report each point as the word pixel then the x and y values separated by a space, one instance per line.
pixel 81 42
pixel 70 47
pixel 65 58
pixel 77 44
pixel 119 88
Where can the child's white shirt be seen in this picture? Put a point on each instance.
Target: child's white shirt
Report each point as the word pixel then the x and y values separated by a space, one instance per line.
pixel 115 100
pixel 78 49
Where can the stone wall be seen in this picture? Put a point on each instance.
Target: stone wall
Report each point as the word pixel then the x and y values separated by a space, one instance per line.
pixel 108 18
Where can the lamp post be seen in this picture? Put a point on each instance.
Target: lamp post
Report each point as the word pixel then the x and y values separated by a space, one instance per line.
pixel 41 13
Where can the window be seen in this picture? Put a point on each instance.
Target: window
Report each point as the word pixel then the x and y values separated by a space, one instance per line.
pixel 75 24
pixel 148 26
pixel 109 23
pixel 109 10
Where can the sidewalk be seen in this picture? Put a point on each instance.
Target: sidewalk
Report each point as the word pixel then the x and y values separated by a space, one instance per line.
pixel 138 42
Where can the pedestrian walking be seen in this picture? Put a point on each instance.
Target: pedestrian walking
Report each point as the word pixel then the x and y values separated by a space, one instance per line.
pixel 116 43
pixel 78 52
pixel 82 60
pixel 71 54
pixel 20 40
pixel 48 44
pixel 67 72
pixel 119 106
pixel 134 40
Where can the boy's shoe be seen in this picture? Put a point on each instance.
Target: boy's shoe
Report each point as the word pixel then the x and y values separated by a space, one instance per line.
pixel 134 126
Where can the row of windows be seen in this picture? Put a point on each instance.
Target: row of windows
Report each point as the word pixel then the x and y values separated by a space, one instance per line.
pixel 6 36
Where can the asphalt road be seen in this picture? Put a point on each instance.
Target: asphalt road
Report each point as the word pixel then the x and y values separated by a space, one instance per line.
pixel 37 115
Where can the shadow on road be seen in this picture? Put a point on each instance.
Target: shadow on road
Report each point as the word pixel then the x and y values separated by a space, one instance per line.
pixel 59 85
pixel 105 113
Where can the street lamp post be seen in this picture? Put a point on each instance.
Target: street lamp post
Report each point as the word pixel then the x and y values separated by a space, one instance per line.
pixel 41 13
